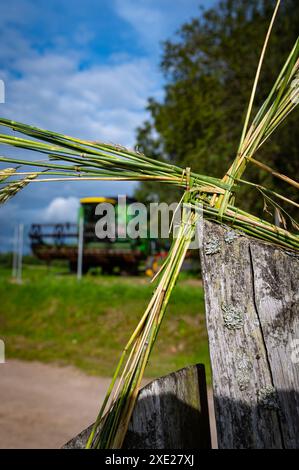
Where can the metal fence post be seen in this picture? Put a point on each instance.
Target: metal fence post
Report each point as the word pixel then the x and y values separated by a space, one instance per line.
pixel 20 253
pixel 80 248
pixel 15 252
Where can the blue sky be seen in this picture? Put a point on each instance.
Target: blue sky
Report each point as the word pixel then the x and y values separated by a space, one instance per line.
pixel 85 68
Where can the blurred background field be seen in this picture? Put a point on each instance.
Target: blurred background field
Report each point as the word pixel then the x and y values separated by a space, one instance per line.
pixel 51 317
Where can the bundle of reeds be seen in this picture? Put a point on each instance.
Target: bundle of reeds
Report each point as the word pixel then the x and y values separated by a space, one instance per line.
pixel 70 159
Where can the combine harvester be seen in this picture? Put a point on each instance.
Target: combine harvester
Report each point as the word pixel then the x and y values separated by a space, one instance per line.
pixel 124 255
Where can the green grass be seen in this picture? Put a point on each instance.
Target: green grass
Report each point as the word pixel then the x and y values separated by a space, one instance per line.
pixel 53 318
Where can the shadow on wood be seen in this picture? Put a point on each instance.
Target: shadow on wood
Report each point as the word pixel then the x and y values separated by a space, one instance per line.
pixel 171 413
pixel 232 415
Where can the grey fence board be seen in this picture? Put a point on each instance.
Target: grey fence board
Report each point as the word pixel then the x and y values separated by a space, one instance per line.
pixel 171 413
pixel 251 296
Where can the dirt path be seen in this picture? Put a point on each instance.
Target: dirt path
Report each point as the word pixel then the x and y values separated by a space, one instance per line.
pixel 43 406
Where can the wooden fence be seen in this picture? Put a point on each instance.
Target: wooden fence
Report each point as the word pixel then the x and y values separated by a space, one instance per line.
pixel 171 413
pixel 252 298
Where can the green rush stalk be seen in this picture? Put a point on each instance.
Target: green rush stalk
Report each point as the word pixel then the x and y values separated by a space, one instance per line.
pixel 72 159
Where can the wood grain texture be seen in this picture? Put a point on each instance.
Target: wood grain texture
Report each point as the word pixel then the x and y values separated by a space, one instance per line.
pixel 251 296
pixel 171 413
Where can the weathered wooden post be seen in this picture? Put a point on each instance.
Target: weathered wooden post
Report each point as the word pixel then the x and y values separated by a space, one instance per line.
pixel 252 299
pixel 171 413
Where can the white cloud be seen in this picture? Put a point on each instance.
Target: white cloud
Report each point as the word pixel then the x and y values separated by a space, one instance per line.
pixel 61 209
pixel 144 16
pixel 48 86
pixel 157 20
pixel 103 102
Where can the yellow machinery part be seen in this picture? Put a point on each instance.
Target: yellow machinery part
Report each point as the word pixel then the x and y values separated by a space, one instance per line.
pixel 97 200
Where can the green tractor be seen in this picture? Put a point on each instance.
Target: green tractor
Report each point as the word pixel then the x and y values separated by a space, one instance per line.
pixel 119 254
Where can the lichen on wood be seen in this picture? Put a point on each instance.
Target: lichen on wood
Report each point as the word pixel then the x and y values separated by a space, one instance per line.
pixel 233 317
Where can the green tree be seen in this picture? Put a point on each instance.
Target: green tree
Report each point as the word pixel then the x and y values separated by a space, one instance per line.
pixel 209 71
